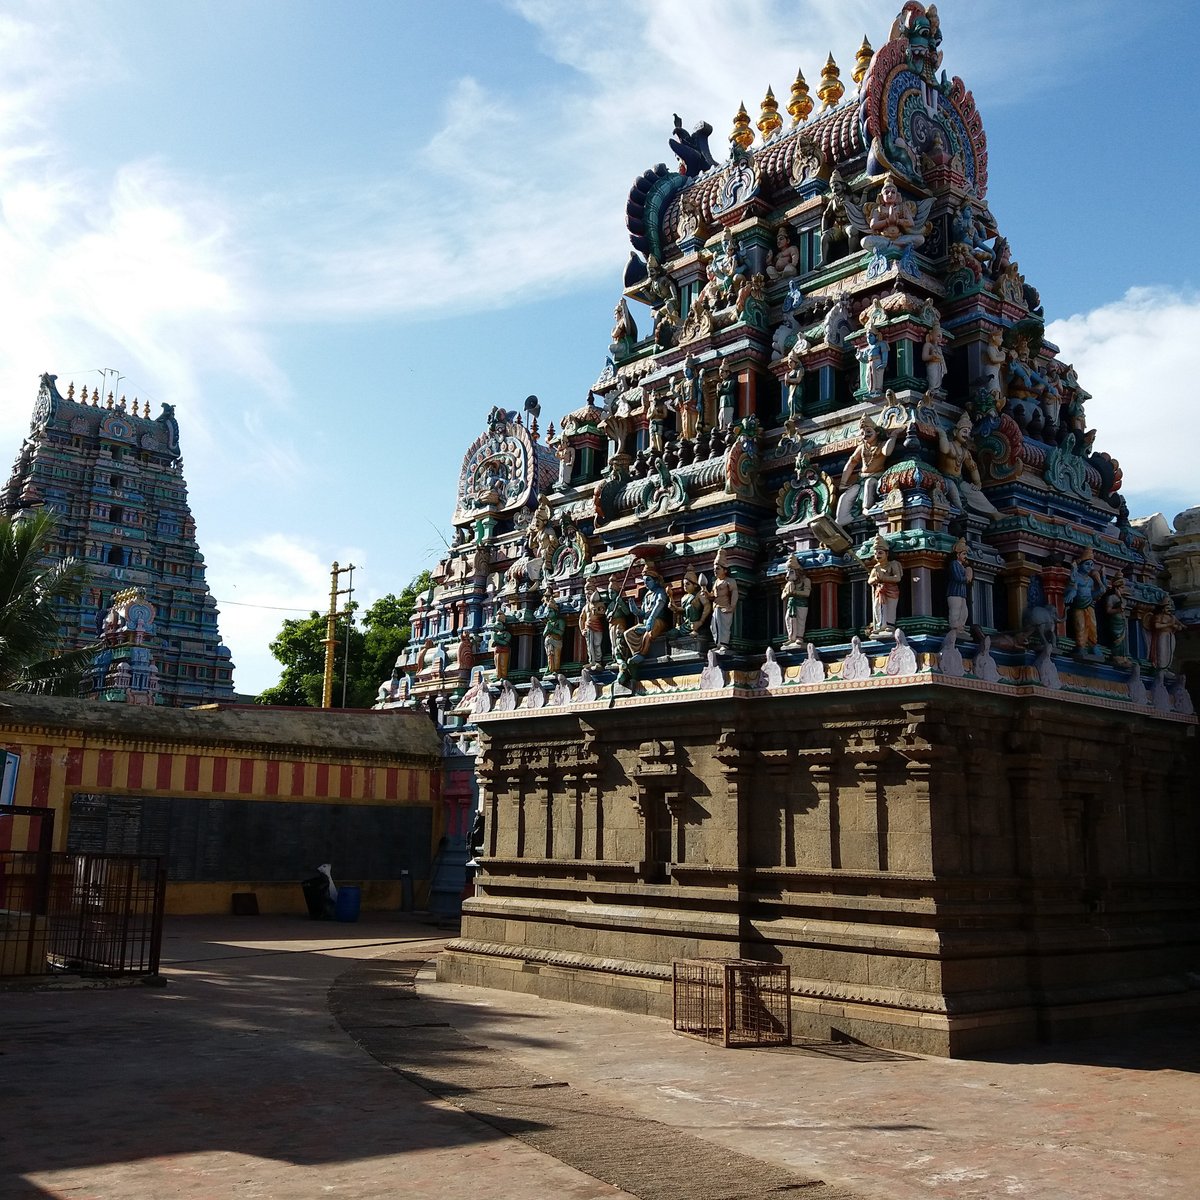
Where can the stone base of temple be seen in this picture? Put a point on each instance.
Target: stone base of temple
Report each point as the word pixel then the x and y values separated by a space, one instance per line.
pixel 946 869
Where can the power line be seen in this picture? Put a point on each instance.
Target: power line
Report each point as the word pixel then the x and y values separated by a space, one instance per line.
pixel 271 607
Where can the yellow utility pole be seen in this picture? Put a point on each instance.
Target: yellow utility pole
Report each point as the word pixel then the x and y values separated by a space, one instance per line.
pixel 331 630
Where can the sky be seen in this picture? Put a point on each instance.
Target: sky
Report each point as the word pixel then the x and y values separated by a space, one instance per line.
pixel 335 234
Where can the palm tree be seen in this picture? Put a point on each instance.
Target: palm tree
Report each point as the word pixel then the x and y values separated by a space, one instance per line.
pixel 30 583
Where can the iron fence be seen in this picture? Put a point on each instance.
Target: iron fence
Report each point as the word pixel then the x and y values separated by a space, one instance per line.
pixel 91 914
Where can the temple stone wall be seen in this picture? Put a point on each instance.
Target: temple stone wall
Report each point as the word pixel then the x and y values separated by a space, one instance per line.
pixel 944 869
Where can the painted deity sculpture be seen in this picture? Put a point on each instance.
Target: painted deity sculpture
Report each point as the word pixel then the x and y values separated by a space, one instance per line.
pixel 874 359
pixel 594 621
pixel 695 605
pixel 727 386
pixel 835 222
pixel 959 576
pixel 785 262
pixel 1116 619
pixel 863 468
pixel 624 326
pixel 501 640
pixel 654 616
pixel 553 628
pixel 894 221
pixel 724 603
pixel 793 380
pixel 957 464
pixel 1162 625
pixel 656 416
pixel 1082 591
pixel 934 357
pixel 797 588
pixel 884 579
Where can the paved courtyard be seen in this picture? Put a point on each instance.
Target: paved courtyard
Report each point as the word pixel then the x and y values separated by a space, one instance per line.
pixel 287 1058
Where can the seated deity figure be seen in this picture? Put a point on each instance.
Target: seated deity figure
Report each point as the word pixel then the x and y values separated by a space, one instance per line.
pixel 957 464
pixel 863 469
pixel 654 615
pixel 785 262
pixel 695 605
pixel 893 220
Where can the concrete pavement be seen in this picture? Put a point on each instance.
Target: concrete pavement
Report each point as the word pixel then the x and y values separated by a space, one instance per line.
pixel 239 1079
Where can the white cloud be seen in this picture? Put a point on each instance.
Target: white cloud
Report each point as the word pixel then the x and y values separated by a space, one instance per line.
pixel 1136 356
pixel 258 585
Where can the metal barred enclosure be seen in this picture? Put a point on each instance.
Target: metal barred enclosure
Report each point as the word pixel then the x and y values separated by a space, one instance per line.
pixel 90 914
pixel 734 1001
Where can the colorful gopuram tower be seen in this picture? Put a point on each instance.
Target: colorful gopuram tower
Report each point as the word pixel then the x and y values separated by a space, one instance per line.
pixel 114 478
pixel 830 642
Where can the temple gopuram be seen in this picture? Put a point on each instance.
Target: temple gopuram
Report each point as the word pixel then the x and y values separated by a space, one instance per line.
pixel 113 477
pixel 820 633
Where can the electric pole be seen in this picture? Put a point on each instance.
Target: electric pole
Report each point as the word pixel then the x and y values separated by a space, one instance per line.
pixel 331 631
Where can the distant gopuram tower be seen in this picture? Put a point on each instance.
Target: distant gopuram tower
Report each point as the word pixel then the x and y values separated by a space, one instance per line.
pixel 114 478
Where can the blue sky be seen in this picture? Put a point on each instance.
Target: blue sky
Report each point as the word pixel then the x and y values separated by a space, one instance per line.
pixel 334 234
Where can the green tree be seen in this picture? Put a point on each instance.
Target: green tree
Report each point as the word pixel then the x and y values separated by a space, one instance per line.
pixel 300 649
pixel 32 585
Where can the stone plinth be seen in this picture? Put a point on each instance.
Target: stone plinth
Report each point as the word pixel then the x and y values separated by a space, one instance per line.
pixel 945 868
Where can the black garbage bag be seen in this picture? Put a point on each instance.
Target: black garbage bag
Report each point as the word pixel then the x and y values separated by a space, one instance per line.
pixel 316 898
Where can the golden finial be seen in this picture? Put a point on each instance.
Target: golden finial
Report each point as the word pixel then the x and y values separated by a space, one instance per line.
pixel 95 397
pixel 770 122
pixel 742 135
pixel 801 103
pixel 145 408
pixel 862 60
pixel 110 400
pixel 121 404
pixel 832 89
pixel 71 390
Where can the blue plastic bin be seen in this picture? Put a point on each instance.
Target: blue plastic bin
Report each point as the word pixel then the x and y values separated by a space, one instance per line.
pixel 348 902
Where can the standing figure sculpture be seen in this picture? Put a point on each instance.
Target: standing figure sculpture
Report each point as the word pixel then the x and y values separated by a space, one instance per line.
pixel 797 588
pixel 724 603
pixel 727 386
pixel 884 579
pixel 959 577
pixel 1162 625
pixel 874 359
pixel 1083 589
pixel 934 357
pixel 656 417
pixel 1116 618
pixel 501 640
pixel 793 380
pixel 593 629
pixel 553 629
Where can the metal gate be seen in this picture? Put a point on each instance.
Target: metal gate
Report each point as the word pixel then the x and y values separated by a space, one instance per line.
pixel 91 914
